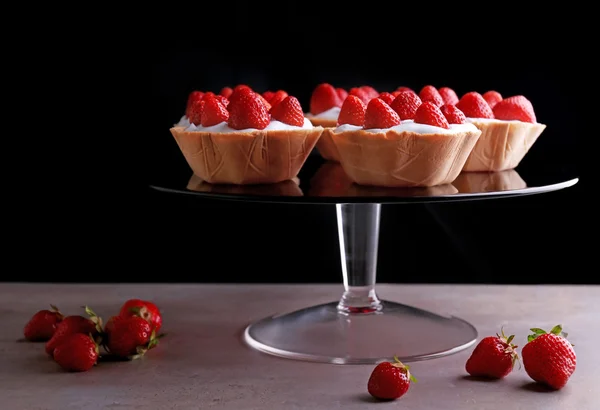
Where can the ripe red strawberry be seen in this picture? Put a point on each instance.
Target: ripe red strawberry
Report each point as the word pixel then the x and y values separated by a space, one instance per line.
pixel 131 337
pixel 264 101
pixel 224 101
pixel 144 309
pixel 371 92
pixel 289 111
pixel 473 105
pixel 248 110
pixel 323 98
pixel 453 114
pixel 388 98
pixel 352 112
pixel 77 353
pixel 342 94
pixel 515 108
pixel 194 113
pixel 390 381
pixel 226 92
pixel 549 358
pixel 430 93
pixel 405 89
pixel 406 104
pixel 193 96
pixel 492 98
pixel 110 324
pixel 278 97
pixel 360 93
pixel 242 87
pixel 73 325
pixel 267 95
pixel 494 357
pixel 428 113
pixel 448 95
pixel 380 115
pixel 41 326
pixel 213 112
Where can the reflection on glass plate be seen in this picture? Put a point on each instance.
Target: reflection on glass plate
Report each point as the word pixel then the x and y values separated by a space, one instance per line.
pixel 471 182
pixel 331 181
pixel 285 188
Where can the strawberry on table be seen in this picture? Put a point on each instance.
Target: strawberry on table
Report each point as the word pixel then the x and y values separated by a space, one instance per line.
pixel 494 357
pixel 42 325
pixel 77 353
pixel 390 381
pixel 130 337
pixel 73 325
pixel 145 309
pixel 549 358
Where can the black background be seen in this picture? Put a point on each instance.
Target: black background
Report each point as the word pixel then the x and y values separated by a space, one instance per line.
pixel 126 232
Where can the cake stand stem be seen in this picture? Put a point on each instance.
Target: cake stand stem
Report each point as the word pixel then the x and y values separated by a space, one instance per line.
pixel 358 230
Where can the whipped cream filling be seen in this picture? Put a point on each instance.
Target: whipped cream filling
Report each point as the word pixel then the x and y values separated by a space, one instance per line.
pixel 183 122
pixel 274 125
pixel 412 126
pixel 331 114
pixel 491 120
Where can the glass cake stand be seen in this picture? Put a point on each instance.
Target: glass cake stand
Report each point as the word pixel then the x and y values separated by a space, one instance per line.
pixel 360 328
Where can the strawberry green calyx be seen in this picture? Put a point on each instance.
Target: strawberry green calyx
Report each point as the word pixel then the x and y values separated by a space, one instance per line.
pixel 57 311
pixel 94 318
pixel 152 343
pixel 556 330
pixel 141 311
pixel 510 348
pixel 399 364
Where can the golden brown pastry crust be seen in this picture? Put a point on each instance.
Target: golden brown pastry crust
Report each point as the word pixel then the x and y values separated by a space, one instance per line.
pixel 256 157
pixel 502 144
pixel 403 159
pixel 325 144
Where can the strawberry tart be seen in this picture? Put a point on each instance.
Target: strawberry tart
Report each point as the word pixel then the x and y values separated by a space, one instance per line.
pixel 508 129
pixel 325 104
pixel 410 143
pixel 244 139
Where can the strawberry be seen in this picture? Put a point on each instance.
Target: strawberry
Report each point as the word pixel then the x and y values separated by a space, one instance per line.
pixel 278 97
pixel 242 87
pixel 226 92
pixel 248 110
pixel 371 92
pixel 492 97
pixel 405 89
pixel 73 325
pixel 494 357
pixel 77 353
pixel 267 95
pixel 380 115
pixel 430 93
pixel 144 309
pixel 352 112
pixel 406 104
pixel 42 325
pixel 110 324
pixel 390 381
pixel 386 97
pixel 428 113
pixel 264 101
pixel 473 105
pixel 131 337
pixel 213 112
pixel 238 93
pixel 448 95
pixel 360 93
pixel 342 94
pixel 193 96
pixel 289 111
pixel 549 358
pixel 194 113
pixel 323 98
pixel 453 114
pixel 515 108
pixel 224 101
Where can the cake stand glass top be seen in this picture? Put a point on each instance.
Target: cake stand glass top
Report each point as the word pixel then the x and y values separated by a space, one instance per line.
pixel 321 182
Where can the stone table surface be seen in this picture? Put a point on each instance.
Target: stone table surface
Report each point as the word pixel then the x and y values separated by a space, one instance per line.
pixel 203 363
